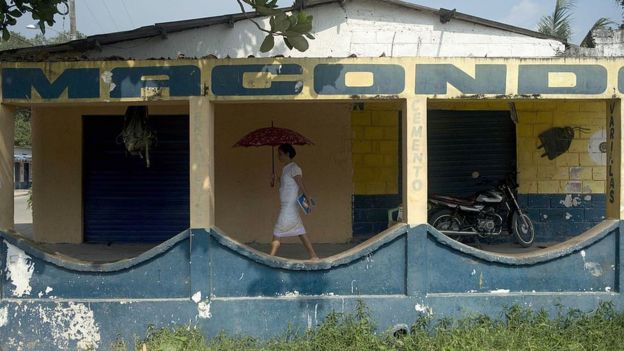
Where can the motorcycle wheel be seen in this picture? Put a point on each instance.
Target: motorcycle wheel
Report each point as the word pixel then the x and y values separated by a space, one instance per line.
pixel 443 220
pixel 523 230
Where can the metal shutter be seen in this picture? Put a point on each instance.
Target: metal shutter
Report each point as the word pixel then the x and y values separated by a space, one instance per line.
pixel 123 199
pixel 461 142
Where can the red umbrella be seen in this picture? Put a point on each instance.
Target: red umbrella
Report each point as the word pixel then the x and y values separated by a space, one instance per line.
pixel 272 136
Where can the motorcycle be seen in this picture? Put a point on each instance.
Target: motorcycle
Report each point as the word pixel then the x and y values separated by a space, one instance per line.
pixel 492 212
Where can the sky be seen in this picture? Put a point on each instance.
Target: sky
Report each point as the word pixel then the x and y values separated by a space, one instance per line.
pixel 105 16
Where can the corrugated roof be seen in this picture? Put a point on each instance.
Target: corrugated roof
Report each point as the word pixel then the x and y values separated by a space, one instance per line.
pixel 162 29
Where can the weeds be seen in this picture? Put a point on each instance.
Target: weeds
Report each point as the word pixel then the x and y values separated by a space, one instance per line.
pixel 517 329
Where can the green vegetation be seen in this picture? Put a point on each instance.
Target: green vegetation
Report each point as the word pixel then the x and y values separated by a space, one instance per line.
pixel 17 40
pixel 22 127
pixel 559 23
pixel 517 329
pixel 43 11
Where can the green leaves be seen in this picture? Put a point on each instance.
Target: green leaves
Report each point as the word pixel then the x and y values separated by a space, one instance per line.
pixel 298 42
pixel 559 23
pixel 295 27
pixel 268 43
pixel 41 10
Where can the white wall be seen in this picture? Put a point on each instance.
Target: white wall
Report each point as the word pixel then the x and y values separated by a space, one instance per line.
pixel 607 42
pixel 366 28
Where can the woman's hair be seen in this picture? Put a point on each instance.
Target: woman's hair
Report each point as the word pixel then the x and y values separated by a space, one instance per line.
pixel 288 149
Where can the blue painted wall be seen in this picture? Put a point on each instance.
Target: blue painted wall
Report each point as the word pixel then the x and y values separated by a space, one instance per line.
pixel 557 220
pixel 370 213
pixel 209 280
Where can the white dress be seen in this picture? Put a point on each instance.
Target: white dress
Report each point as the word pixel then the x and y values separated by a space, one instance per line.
pixel 289 223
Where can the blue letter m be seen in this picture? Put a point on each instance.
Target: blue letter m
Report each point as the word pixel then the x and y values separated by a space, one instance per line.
pixel 81 83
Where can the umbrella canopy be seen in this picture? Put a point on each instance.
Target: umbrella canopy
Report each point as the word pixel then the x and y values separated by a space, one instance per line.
pixel 273 136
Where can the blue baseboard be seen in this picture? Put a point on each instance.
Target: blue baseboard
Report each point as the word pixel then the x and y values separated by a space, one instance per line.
pixel 559 217
pixel 370 213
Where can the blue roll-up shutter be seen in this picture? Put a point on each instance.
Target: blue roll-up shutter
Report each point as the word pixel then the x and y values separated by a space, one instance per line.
pixel 123 199
pixel 462 142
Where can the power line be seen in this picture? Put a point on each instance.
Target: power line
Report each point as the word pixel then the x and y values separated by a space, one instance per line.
pixel 127 13
pixel 110 14
pixel 94 17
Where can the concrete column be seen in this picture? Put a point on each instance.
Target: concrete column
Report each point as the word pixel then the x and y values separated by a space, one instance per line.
pixel 57 188
pixel 7 167
pixel 415 160
pixel 614 188
pixel 201 141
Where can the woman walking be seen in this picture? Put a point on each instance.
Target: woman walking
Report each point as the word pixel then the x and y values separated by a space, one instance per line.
pixel 289 222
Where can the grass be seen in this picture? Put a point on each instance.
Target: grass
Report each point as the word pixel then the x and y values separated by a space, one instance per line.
pixel 517 329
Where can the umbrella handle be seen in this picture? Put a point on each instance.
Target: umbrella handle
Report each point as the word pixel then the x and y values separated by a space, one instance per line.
pixel 272 166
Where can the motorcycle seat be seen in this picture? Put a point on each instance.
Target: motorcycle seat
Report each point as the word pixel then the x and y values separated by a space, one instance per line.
pixel 455 200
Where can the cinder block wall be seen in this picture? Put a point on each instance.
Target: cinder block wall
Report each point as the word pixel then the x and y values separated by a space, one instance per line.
pixel 564 196
pixel 581 169
pixel 375 147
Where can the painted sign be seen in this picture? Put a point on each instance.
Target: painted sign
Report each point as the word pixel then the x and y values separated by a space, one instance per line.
pixel 308 78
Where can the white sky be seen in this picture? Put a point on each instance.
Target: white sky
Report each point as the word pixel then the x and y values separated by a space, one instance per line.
pixel 105 16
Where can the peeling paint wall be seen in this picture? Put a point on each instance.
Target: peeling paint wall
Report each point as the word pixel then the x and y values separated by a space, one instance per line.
pixel 71 322
pixel 19 270
pixel 565 196
pixel 579 170
pixel 409 272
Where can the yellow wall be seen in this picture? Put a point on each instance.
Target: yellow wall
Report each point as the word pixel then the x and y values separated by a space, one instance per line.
pixel 7 132
pixel 375 127
pixel 57 175
pixel 57 168
pixel 576 171
pixel 246 206
pixel 580 170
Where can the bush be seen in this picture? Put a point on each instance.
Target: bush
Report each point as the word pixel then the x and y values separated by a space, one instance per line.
pixel 518 329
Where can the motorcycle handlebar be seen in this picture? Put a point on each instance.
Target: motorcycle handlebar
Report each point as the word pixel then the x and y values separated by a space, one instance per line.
pixel 509 181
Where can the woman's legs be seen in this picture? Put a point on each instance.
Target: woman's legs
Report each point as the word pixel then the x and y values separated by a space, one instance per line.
pixel 308 246
pixel 275 244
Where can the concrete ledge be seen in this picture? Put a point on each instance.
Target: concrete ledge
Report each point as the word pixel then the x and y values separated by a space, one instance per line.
pixel 366 248
pixel 35 250
pixel 578 243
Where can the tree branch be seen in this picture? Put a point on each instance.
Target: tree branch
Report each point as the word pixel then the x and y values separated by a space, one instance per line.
pixel 251 19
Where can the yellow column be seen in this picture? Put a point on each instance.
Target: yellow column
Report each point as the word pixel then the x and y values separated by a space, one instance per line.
pixel 57 173
pixel 7 138
pixel 615 209
pixel 415 160
pixel 201 140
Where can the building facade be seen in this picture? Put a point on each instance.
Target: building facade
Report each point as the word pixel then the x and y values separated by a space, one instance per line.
pixel 22 158
pixel 386 131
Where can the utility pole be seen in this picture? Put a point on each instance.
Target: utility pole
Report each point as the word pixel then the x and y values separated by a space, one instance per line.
pixel 72 20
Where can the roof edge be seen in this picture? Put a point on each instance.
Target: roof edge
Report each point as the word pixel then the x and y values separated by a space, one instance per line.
pixel 162 29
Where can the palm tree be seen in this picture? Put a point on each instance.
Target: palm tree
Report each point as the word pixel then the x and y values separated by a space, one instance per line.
pixel 601 23
pixel 559 23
